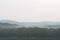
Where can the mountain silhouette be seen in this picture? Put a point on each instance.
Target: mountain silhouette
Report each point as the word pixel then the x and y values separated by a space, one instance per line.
pixel 30 23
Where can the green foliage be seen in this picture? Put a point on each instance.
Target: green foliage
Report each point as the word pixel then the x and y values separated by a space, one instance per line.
pixel 29 32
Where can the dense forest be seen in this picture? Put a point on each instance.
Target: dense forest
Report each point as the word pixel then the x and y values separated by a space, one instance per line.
pixel 11 32
pixel 34 32
pixel 29 32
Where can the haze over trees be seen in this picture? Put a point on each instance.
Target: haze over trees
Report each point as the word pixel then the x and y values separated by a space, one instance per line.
pixel 50 32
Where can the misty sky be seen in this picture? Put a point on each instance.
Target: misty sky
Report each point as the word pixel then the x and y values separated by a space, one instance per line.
pixel 30 10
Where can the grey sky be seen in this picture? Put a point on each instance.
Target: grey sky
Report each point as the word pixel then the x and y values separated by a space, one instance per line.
pixel 30 10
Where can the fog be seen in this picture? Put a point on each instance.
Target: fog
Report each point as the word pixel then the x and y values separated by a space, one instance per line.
pixel 30 10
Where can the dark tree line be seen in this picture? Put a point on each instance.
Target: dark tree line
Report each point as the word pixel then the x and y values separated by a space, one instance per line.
pixel 29 32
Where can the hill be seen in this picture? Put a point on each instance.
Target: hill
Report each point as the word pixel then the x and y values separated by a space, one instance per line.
pixel 32 24
pixel 7 25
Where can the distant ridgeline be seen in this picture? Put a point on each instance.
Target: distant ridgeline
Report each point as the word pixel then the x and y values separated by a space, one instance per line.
pixel 14 24
pixel 7 25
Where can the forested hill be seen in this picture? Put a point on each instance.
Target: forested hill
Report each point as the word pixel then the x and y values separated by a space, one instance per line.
pixel 30 23
pixel 7 25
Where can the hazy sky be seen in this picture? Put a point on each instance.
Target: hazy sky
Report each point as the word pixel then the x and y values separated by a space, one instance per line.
pixel 30 10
